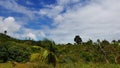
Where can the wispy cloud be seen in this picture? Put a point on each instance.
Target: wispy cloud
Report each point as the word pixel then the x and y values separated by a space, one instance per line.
pixel 88 18
pixel 15 7
pixel 29 3
pixel 52 11
pixel 98 19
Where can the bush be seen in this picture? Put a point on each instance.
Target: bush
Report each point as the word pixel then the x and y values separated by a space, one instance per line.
pixel 4 53
pixel 35 57
pixel 35 49
pixel 19 53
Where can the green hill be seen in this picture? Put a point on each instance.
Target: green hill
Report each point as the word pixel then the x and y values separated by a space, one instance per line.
pixel 4 38
pixel 12 49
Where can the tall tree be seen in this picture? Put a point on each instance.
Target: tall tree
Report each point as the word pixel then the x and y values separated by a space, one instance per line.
pixel 78 39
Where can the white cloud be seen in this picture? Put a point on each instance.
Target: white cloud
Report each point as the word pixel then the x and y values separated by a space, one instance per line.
pixel 15 7
pixel 31 33
pixel 31 36
pixel 29 3
pixel 18 31
pixel 52 11
pixel 41 34
pixel 98 19
pixel 9 24
pixel 66 2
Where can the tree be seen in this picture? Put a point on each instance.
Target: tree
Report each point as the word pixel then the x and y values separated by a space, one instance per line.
pixel 89 42
pixel 105 42
pixel 49 55
pixel 119 41
pixel 5 32
pixel 78 39
pixel 98 41
pixel 51 58
pixel 114 41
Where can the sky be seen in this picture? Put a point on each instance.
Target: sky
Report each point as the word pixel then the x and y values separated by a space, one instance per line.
pixel 61 20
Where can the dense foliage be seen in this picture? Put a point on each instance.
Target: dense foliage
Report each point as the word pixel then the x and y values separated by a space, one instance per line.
pixel 46 51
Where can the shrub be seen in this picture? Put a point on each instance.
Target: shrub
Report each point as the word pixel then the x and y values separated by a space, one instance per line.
pixel 4 53
pixel 35 57
pixel 19 53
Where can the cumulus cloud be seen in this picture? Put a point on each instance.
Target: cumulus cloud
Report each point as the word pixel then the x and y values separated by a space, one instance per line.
pixel 31 36
pixel 9 24
pixel 98 19
pixel 35 35
pixel 17 30
pixel 27 33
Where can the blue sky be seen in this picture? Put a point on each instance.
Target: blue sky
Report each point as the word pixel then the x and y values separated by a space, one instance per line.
pixel 61 20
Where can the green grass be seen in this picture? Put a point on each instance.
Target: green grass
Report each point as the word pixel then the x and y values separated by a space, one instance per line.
pixel 82 65
pixel 90 65
pixel 70 65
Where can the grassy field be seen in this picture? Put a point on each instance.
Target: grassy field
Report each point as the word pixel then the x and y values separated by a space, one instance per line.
pixel 75 65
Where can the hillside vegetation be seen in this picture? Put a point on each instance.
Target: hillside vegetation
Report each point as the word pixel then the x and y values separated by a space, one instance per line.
pixel 47 54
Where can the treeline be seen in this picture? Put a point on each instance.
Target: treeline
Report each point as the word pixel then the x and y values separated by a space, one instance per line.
pixel 46 51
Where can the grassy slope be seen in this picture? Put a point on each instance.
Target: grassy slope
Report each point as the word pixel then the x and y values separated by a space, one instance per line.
pixel 76 65
pixel 70 49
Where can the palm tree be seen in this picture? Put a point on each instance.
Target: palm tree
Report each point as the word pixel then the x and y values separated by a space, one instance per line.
pixel 51 58
pixel 49 55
